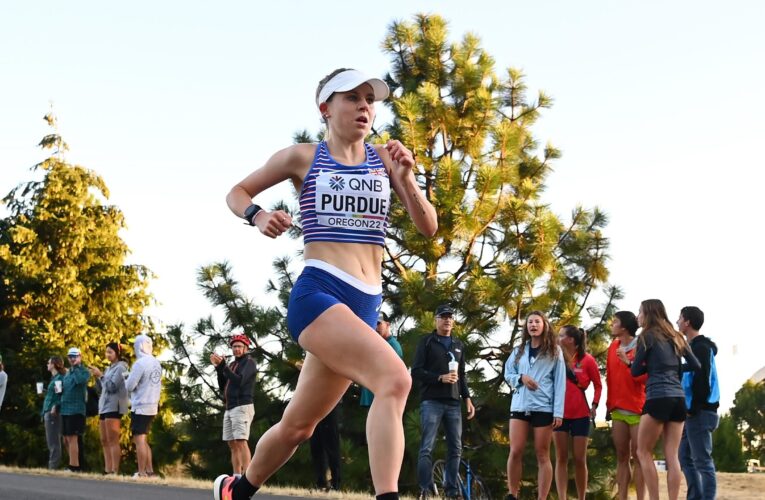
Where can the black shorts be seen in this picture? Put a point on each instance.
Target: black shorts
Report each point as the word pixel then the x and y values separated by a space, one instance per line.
pixel 535 418
pixel 666 409
pixel 72 425
pixel 111 414
pixel 139 424
pixel 577 427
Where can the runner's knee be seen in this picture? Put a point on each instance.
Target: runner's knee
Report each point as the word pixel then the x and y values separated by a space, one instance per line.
pixel 296 433
pixel 396 386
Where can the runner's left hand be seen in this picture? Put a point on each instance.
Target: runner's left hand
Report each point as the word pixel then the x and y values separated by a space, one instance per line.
pixel 403 159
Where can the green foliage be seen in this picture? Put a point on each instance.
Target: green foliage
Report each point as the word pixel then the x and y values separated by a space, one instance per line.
pixel 65 282
pixel 499 252
pixel 748 413
pixel 727 451
pixel 193 392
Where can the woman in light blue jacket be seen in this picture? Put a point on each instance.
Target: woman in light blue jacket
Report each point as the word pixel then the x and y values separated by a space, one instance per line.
pixel 536 373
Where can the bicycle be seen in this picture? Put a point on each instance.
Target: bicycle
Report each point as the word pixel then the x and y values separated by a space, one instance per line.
pixel 471 485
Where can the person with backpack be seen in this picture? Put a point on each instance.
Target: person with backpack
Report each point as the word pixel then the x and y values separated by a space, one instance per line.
pixel 702 397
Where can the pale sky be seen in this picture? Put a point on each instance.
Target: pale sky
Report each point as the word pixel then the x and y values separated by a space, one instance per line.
pixel 658 111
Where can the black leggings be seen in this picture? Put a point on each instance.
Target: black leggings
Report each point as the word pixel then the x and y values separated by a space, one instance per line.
pixel 325 450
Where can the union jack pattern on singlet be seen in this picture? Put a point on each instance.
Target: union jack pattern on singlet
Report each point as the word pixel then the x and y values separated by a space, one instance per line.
pixel 346 204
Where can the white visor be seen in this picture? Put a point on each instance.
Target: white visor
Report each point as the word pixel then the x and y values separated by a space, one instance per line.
pixel 349 80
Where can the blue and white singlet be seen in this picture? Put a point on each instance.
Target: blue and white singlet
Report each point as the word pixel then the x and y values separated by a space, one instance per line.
pixel 347 204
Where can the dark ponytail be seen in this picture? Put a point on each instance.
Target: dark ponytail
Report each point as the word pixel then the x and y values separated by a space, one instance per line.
pixel 580 338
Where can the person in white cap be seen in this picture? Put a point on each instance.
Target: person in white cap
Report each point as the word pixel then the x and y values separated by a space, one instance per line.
pixel 344 187
pixel 73 395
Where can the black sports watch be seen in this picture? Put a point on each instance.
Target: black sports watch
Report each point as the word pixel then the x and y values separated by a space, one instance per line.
pixel 250 213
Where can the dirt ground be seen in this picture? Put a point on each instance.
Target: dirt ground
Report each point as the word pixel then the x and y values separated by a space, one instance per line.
pixel 729 486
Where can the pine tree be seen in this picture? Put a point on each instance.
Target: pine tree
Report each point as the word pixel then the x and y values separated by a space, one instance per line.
pixel 65 282
pixel 500 251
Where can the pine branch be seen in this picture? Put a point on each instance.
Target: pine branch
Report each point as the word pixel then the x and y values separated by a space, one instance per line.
pixel 395 261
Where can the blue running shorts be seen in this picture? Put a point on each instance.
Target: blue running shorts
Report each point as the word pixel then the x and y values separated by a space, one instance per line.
pixel 321 286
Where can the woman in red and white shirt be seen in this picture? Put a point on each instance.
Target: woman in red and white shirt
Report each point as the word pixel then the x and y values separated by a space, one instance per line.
pixel 582 369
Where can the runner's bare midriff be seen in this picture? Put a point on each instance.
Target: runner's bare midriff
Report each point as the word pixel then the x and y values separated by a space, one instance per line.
pixel 362 261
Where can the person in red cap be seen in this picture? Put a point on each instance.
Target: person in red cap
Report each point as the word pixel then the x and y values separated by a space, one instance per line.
pixel 235 381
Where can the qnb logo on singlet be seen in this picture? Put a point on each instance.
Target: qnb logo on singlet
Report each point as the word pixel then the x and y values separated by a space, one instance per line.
pixel 352 201
pixel 336 182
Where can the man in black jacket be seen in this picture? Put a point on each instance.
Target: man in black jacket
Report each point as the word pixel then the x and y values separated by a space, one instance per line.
pixel 702 397
pixel 439 366
pixel 235 381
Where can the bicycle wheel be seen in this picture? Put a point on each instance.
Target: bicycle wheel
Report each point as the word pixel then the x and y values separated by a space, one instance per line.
pixel 439 477
pixel 478 490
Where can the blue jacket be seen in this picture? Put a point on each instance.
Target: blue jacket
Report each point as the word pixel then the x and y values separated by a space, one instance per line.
pixel 550 375
pixel 702 388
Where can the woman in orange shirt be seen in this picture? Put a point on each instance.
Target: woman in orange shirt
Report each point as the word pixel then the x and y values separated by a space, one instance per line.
pixel 624 401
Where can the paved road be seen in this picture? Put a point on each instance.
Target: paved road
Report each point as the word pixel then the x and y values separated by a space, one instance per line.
pixel 34 487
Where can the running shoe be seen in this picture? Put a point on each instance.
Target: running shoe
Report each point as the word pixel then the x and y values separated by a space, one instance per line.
pixel 223 487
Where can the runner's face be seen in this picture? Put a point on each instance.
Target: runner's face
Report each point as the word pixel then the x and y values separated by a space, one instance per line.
pixel 353 112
